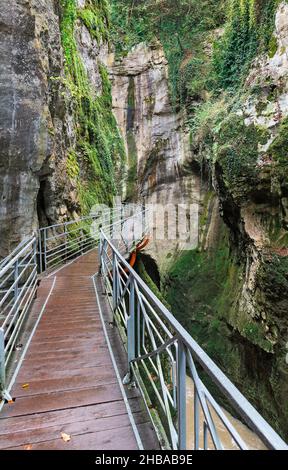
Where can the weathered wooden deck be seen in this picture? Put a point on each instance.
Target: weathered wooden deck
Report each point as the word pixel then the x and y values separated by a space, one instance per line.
pixel 67 382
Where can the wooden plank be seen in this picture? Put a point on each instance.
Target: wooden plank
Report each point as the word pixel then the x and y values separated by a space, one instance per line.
pixel 58 339
pixel 84 352
pixel 61 417
pixel 37 387
pixel 73 361
pixel 73 429
pixel 63 374
pixel 65 344
pixel 61 400
pixel 115 439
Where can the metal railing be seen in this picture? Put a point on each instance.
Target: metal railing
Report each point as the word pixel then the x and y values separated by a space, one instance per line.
pixel 160 352
pixel 49 249
pixel 161 355
pixel 18 284
pixel 61 243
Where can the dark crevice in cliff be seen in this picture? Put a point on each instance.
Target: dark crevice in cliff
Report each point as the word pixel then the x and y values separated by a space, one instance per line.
pixel 151 269
pixel 41 205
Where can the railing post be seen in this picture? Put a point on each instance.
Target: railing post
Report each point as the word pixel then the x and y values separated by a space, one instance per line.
pixel 131 339
pixel 115 282
pixel 131 323
pixel 16 274
pixel 45 248
pixel 35 251
pixel 100 253
pixel 181 395
pixel 196 419
pixel 66 244
pixel 4 394
pixel 2 362
pixel 40 250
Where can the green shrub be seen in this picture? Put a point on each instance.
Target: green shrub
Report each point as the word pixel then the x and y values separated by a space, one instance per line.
pixel 181 29
pixel 248 32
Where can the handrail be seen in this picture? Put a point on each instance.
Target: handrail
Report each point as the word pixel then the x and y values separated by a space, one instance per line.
pixel 149 326
pixel 59 243
pixel 160 352
pixel 18 281
pixel 7 258
pixel 7 263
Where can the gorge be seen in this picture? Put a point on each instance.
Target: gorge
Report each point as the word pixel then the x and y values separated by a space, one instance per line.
pixel 102 98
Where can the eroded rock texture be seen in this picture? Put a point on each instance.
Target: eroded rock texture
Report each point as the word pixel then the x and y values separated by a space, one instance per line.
pixel 156 142
pixel 235 286
pixel 29 33
pixel 47 159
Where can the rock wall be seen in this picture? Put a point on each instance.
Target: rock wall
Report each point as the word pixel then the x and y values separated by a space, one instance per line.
pixel 50 166
pixel 231 293
pixel 30 51
pixel 156 141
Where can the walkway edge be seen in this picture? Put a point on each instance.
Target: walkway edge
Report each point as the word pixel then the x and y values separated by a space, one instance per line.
pixel 129 411
pixel 14 376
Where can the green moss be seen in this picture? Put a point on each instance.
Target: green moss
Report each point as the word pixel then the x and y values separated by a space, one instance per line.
pixel 273 45
pixel 206 205
pixel 277 231
pixel 260 107
pixel 180 30
pixel 202 283
pixel 96 18
pixel 248 32
pixel 224 139
pixel 140 268
pixel 99 149
pixel 255 333
pixel 72 165
pixel 273 279
pixel 238 153
pixel 279 148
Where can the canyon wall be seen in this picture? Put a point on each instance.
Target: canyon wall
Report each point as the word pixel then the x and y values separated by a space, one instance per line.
pixel 232 292
pixel 60 147
pixel 156 141
pixel 224 148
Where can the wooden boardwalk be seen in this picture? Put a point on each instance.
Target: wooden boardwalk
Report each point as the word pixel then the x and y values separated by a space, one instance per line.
pixel 67 382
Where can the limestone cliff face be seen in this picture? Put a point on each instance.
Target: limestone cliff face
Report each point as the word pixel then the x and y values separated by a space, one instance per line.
pixel 235 299
pixel 46 155
pixel 157 144
pixel 29 34
pixel 230 293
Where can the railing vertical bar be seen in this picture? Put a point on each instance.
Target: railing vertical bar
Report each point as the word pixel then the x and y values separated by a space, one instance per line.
pixel 2 362
pixel 181 395
pixel 115 281
pixel 66 241
pixel 205 435
pixel 196 419
pixel 40 250
pixel 131 324
pixel 16 281
pixel 138 329
pixel 45 247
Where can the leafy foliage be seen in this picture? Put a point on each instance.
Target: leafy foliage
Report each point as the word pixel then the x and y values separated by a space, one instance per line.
pixel 99 148
pixel 248 31
pixel 180 29
pixel 187 32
